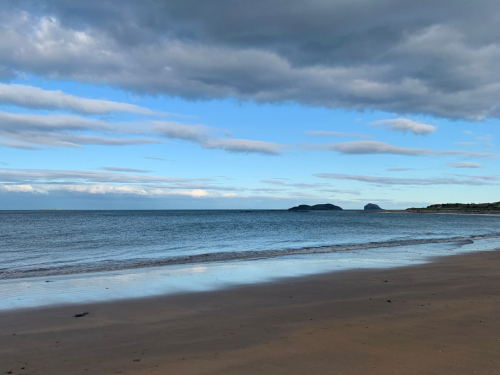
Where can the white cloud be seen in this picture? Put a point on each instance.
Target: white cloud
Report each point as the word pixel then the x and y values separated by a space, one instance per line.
pixel 376 147
pixel 100 189
pixel 17 188
pixel 322 133
pixel 464 165
pixel 406 125
pixel 37 98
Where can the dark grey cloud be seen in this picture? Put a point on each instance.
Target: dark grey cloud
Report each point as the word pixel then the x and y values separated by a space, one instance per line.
pixel 378 180
pixel 425 56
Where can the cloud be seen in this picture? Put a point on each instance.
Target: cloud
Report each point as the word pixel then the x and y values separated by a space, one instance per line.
pixel 464 165
pixel 465 143
pixel 58 130
pixel 463 180
pixel 294 185
pixel 406 125
pixel 243 146
pixel 339 191
pixel 172 129
pixel 155 158
pixel 22 176
pixel 353 54
pixel 37 98
pixel 321 133
pixel 99 189
pixel 17 188
pixel 20 121
pixel 132 170
pixel 110 183
pixel 399 169
pixel 18 145
pixel 486 139
pixel 376 147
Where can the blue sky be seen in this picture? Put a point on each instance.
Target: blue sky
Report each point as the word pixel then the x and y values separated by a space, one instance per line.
pixel 219 132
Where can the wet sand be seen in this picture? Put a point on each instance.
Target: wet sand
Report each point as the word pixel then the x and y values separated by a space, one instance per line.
pixel 438 318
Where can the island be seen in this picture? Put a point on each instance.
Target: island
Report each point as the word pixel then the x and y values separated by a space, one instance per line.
pixel 373 207
pixel 459 208
pixel 316 207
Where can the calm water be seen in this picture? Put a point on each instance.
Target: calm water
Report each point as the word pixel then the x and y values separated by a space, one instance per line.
pixel 47 243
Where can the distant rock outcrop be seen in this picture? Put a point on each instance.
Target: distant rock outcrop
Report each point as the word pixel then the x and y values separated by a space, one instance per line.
pixel 316 207
pixel 371 206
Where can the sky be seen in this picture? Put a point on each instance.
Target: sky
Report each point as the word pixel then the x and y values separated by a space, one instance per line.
pixel 231 104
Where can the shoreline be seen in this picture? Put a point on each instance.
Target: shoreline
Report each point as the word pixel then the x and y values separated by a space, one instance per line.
pixel 95 287
pixel 441 319
pixel 212 257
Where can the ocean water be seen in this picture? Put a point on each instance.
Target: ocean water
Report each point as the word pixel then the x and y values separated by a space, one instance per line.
pixel 54 257
pixel 44 243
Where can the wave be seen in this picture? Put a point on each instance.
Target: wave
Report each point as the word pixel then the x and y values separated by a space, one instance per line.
pixel 116 265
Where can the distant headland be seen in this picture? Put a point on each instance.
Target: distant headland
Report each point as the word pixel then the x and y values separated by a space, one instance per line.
pixel 485 208
pixel 316 207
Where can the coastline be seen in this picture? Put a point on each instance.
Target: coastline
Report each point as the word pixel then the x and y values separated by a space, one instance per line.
pixel 441 319
pixel 460 212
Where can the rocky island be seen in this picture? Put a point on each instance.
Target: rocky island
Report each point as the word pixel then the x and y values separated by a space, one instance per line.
pixel 373 207
pixel 316 207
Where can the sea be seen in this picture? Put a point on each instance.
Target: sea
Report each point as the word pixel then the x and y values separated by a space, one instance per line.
pixel 50 257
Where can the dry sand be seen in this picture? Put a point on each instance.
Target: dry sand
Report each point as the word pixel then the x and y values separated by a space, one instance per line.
pixel 442 318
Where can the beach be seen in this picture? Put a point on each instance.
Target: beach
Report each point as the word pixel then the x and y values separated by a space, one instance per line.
pixel 435 318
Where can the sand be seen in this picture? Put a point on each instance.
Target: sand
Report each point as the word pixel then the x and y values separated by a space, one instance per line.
pixel 439 318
